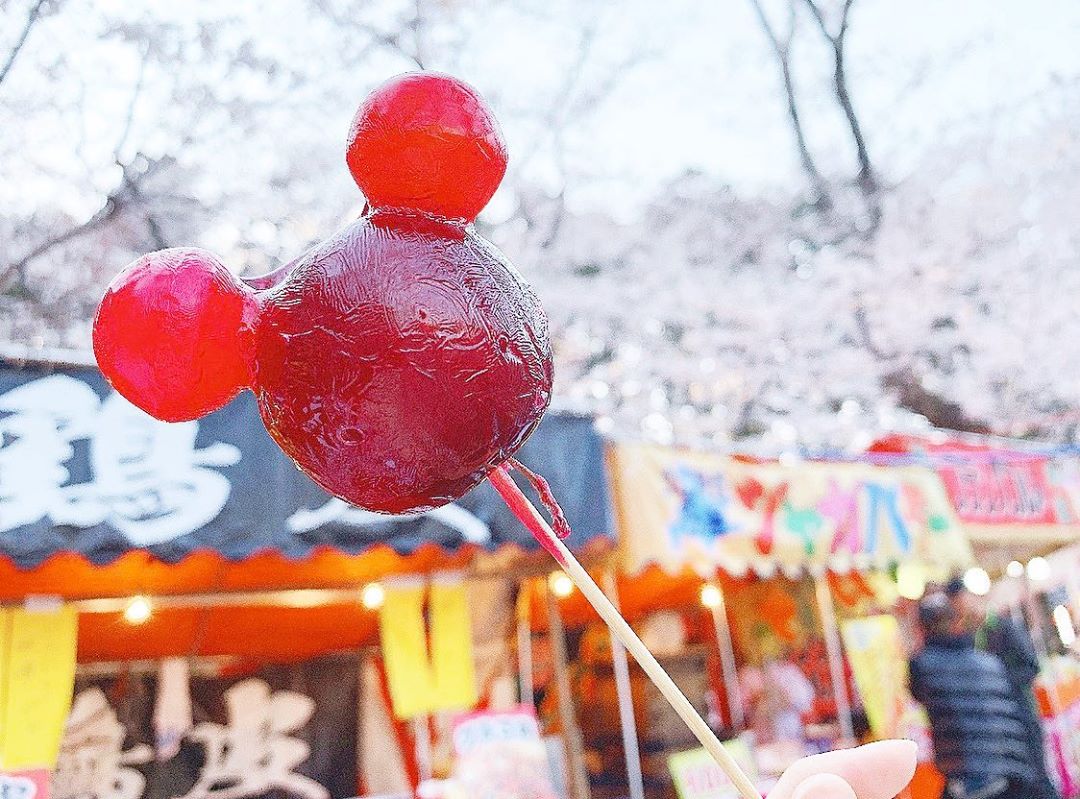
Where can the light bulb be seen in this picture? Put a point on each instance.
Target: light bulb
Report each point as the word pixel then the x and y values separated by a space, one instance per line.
pixel 710 596
pixel 138 610
pixel 372 596
pixel 910 581
pixel 561 585
pixel 1065 627
pixel 1038 570
pixel 977 581
pixel 1015 569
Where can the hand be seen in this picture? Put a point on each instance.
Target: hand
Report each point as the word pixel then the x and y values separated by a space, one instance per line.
pixel 876 771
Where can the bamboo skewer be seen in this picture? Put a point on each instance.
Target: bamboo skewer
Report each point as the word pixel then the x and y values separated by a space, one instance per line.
pixel 538 526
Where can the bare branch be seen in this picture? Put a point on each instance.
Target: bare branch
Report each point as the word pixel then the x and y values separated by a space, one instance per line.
pixel 940 412
pixel 862 325
pixel 31 18
pixel 130 116
pixel 867 179
pixel 819 18
pixel 127 194
pixel 782 50
pixel 396 41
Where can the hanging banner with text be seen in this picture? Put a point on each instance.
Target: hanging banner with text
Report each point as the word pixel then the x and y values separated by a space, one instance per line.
pixel 37 675
pixel 279 731
pixel 676 507
pixel 994 486
pixel 83 470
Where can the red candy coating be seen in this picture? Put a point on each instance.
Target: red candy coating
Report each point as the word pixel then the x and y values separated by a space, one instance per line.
pixel 172 334
pixel 426 142
pixel 401 361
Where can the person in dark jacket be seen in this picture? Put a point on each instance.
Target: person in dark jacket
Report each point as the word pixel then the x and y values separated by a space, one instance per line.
pixel 1001 636
pixel 980 740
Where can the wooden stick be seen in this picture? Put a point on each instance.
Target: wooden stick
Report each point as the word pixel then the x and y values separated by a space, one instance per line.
pixel 536 524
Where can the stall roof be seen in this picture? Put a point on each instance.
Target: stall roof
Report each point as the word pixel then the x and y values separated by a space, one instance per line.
pixel 86 477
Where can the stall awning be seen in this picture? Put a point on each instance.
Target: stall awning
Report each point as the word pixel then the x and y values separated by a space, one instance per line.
pixel 1014 500
pixel 84 473
pixel 676 508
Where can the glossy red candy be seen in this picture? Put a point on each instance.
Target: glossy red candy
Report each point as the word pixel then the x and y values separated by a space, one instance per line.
pixel 399 361
pixel 173 334
pixel 426 142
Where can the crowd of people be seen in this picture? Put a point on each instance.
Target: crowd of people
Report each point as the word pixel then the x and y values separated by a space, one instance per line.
pixel 975 675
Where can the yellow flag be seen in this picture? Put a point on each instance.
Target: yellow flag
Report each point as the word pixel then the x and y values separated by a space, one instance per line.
pixel 877 661
pixel 421 683
pixel 404 645
pixel 451 647
pixel 37 677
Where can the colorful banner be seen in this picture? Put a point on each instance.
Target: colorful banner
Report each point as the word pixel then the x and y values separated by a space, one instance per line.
pixel 990 484
pixel 501 755
pixel 423 682
pixel 999 492
pixel 697 776
pixel 676 507
pixel 878 662
pixel 37 675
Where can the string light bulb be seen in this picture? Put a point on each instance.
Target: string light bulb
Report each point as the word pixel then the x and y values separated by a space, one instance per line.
pixel 710 596
pixel 560 585
pixel 1015 569
pixel 138 610
pixel 977 581
pixel 1065 628
pixel 372 596
pixel 1038 570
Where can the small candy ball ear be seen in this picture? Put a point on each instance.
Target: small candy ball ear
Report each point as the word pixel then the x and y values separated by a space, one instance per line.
pixel 173 334
pixel 426 142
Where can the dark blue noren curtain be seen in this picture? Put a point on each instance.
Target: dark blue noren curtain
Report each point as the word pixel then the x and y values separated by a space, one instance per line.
pixel 83 470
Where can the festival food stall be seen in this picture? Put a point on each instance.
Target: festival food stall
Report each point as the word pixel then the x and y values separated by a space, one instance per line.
pixel 1019 503
pixel 222 614
pixel 790 559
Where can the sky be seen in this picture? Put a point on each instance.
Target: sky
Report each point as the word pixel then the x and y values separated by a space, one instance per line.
pixel 693 88
pixel 705 93
pixel 978 218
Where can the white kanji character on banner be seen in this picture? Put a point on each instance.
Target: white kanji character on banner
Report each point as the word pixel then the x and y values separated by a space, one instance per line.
pixel 253 754
pixel 92 763
pixel 148 480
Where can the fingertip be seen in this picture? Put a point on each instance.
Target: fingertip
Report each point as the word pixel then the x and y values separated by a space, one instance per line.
pixel 898 758
pixel 824 786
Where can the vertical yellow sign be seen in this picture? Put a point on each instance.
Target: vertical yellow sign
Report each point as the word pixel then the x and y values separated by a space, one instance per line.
pixel 451 647
pixel 422 679
pixel 37 677
pixel 877 661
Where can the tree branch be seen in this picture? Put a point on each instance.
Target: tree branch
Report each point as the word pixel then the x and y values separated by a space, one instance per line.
pixel 128 193
pixel 782 50
pixel 939 411
pixel 394 40
pixel 867 179
pixel 31 18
